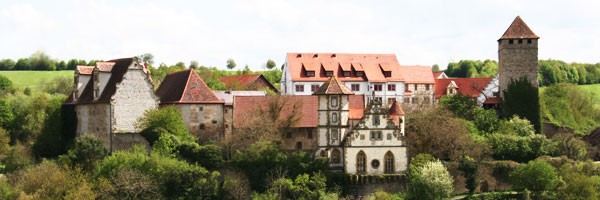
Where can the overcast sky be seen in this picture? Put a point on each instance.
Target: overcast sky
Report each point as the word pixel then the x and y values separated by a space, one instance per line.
pixel 418 32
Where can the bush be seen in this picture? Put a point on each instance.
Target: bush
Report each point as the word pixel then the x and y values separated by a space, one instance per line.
pixel 522 99
pixel 49 181
pixel 165 120
pixel 431 181
pixel 86 152
pixel 536 176
pixel 209 156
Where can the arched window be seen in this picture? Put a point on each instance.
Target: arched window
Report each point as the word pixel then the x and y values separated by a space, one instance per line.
pixel 299 146
pixel 323 153
pixel 334 118
pixel 361 163
pixel 388 168
pixel 335 156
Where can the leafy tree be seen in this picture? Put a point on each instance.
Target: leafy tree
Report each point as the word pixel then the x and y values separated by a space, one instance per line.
pixel 231 63
pixel 521 98
pixel 6 114
pixel 303 187
pixel 7 64
pixel 72 64
pixel 579 183
pixel 128 184
pixel 537 176
pixel 86 152
pixel 23 64
pixel 147 57
pixel 461 105
pixel 472 68
pixel 19 157
pixel 5 84
pixel 49 181
pixel 519 148
pixel 435 68
pixel 209 156
pixel 166 145
pixel 430 181
pixel 194 64
pixel 41 61
pixel 62 65
pixel 270 64
pixel 4 142
pixel 164 120
pixel 486 121
pixel 449 143
pixel 51 141
pixel 470 169
pixel 59 85
pixel 570 146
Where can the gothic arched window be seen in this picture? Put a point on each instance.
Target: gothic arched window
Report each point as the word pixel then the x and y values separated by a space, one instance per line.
pixel 361 163
pixel 388 168
pixel 335 156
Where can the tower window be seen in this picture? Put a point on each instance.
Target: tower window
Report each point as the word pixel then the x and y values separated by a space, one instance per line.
pixel 377 87
pixel 334 134
pixel 376 120
pixel 334 101
pixel 334 117
pixel 528 41
pixel 510 42
pixel 391 87
pixel 520 41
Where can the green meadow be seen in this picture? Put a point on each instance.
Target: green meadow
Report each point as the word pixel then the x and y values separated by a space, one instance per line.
pixel 34 79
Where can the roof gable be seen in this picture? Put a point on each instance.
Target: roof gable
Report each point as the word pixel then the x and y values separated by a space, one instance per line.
pixel 519 30
pixel 333 86
pixel 185 87
pixel 467 86
pixel 247 82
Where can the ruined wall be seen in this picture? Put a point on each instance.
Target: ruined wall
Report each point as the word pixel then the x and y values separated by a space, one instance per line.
pixel 124 141
pixel 133 97
pixel 306 138
pixel 205 121
pixel 517 58
pixel 227 123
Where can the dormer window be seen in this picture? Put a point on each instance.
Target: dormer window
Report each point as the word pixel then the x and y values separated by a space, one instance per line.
pixel 310 73
pixel 387 74
pixel 329 73
pixel 360 73
pixel 346 73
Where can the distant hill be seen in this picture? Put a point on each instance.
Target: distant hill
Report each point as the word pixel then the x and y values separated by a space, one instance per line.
pixel 34 79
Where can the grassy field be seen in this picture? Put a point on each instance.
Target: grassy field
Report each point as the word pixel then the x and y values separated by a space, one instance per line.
pixel 594 89
pixel 34 79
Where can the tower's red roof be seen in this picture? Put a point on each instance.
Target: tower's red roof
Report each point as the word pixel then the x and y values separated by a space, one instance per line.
pixel 333 86
pixel 185 87
pixel 519 30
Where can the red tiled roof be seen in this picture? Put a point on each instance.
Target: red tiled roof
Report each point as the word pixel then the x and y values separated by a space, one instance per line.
pixel 468 86
pixel 246 81
pixel 333 86
pixel 118 70
pixel 185 87
pixel 245 107
pixel 105 66
pixel 492 100
pixel 396 109
pixel 437 75
pixel 299 63
pixel 356 107
pixel 519 30
pixel 417 74
pixel 84 70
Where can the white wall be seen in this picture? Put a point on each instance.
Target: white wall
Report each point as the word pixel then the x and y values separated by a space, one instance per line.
pixel 133 97
pixel 373 153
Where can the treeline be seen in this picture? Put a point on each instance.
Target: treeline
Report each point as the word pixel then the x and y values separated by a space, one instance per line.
pixel 41 61
pixel 550 72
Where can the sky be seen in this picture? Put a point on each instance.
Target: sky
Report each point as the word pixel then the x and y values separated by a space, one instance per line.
pixel 418 32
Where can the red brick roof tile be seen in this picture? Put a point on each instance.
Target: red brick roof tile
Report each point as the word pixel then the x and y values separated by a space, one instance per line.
pixel 245 107
pixel 84 70
pixel 396 109
pixel 467 86
pixel 356 107
pixel 417 74
pixel 519 30
pixel 185 87
pixel 248 81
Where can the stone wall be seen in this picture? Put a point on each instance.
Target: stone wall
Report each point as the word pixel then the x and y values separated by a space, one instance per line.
pixel 124 141
pixel 93 119
pixel 306 137
pixel 133 97
pixel 205 121
pixel 516 60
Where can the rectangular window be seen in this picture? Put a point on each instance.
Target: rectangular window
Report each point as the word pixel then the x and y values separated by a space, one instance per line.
pixel 309 133
pixel 334 118
pixel 427 87
pixel 359 74
pixel 377 87
pixel 355 87
pixel 310 73
pixel 376 120
pixel 377 99
pixel 314 87
pixel 334 134
pixel 346 73
pixel 299 88
pixel 329 73
pixel 376 135
pixel 334 101
pixel 391 87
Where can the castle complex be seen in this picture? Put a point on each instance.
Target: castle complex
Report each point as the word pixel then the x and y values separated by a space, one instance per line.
pixel 350 106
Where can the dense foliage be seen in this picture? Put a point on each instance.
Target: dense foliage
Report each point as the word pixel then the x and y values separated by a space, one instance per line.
pixel 522 99
pixel 536 176
pixel 555 71
pixel 472 69
pixel 164 120
pixel 568 106
pixel 430 181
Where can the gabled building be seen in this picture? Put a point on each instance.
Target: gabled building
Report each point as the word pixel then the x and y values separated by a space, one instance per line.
pixel 483 90
pixel 200 108
pixel 419 83
pixel 109 100
pixel 248 82
pixel 374 75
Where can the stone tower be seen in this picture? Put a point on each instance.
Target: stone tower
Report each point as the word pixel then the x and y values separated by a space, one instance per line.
pixel 517 54
pixel 334 107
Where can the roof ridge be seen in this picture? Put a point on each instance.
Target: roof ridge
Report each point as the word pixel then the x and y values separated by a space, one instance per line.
pixel 187 81
pixel 518 29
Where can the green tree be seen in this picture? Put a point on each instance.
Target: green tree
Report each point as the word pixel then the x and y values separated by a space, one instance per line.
pixel 231 63
pixel 23 64
pixel 537 176
pixel 62 65
pixel 49 181
pixel 431 181
pixel 87 151
pixel 165 120
pixel 303 187
pixel 147 57
pixel 486 121
pixel 461 105
pixel 194 64
pixel 7 64
pixel 521 98
pixel 568 106
pixel 5 84
pixel 435 68
pixel 270 64
pixel 41 61
pixel 51 141
pixel 209 156
pixel 570 146
pixel 577 182
pixel 72 64
pixel 6 114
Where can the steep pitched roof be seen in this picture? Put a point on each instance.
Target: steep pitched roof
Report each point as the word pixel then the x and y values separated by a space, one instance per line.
pixel 356 107
pixel 185 87
pixel 417 74
pixel 396 109
pixel 117 71
pixel 468 86
pixel 440 74
pixel 519 30
pixel 333 86
pixel 247 81
pixel 245 107
pixel 373 66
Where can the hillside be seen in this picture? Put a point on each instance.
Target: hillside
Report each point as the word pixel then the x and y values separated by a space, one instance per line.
pixel 34 79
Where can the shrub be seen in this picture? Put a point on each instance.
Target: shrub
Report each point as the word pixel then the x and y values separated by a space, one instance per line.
pixel 431 181
pixel 49 181
pixel 209 156
pixel 165 120
pixel 87 151
pixel 536 176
